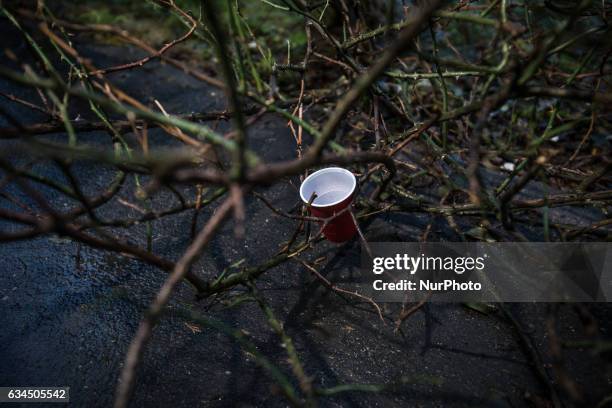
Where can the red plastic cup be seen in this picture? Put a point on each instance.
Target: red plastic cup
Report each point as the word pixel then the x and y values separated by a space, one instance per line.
pixel 335 189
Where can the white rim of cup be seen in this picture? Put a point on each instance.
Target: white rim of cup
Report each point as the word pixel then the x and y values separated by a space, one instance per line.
pixel 328 170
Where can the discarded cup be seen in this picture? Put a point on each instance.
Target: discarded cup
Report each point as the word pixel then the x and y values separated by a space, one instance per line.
pixel 334 188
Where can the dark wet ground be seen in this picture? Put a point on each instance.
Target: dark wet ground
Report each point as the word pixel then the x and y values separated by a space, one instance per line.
pixel 68 312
